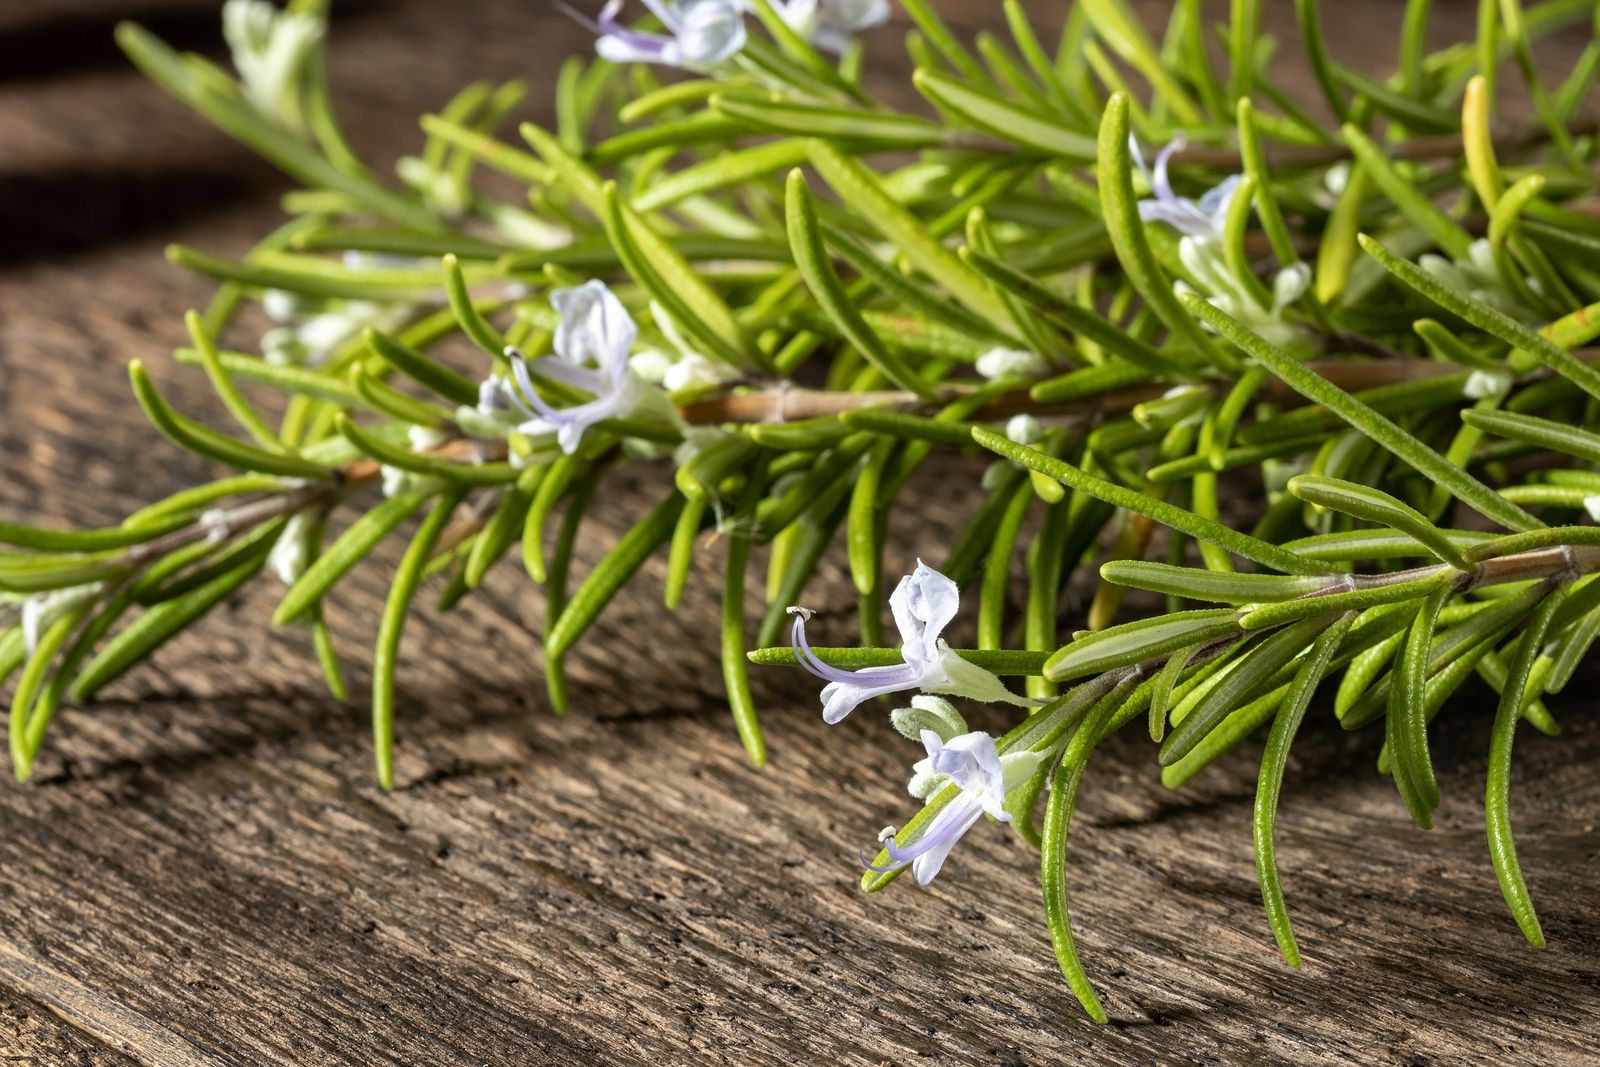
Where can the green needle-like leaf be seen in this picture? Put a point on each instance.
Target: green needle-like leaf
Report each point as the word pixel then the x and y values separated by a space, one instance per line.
pixel 34 675
pixel 1355 599
pixel 190 435
pixel 1223 587
pixel 735 666
pixel 351 547
pixel 1269 784
pixel 1053 854
pixel 552 487
pixel 1079 320
pixel 1497 799
pixel 1116 24
pixel 805 238
pixel 422 370
pixel 1251 548
pixel 1376 506
pixel 1004 118
pixel 667 276
pixel 728 169
pixel 1138 642
pixel 858 186
pixel 500 532
pixel 1407 709
pixel 473 324
pixel 177 75
pixel 611 574
pixel 160 624
pixel 421 463
pixel 124 536
pixel 391 626
pixel 1402 445
pixel 1490 320
pixel 878 129
pixel 1237 686
pixel 222 382
pixel 1559 437
pixel 1115 171
pixel 1441 228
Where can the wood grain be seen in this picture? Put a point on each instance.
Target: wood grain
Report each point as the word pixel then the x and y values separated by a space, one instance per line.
pixel 205 873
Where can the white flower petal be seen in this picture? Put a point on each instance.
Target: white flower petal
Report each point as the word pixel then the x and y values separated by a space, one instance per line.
pixel 594 328
pixel 950 826
pixel 923 604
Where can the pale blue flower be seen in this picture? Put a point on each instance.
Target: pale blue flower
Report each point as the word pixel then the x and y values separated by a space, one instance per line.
pixel 832 24
pixel 1200 249
pixel 972 762
pixel 592 343
pixel 1202 219
pixel 923 604
pixel 700 33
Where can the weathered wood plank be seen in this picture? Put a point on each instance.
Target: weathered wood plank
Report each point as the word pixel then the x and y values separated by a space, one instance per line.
pixel 205 872
pixel 30 1032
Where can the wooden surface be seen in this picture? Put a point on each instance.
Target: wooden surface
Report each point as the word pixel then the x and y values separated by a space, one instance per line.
pixel 204 873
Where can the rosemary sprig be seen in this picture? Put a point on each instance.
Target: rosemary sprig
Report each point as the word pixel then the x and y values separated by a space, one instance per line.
pixel 1352 340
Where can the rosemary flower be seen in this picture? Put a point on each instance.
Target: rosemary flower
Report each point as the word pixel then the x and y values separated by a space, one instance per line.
pixel 1024 429
pixel 681 365
pixel 1486 383
pixel 270 50
pixel 923 604
pixel 700 33
pixel 1200 248
pixel 690 370
pixel 972 762
pixel 1201 218
pixel 311 341
pixel 832 24
pixel 592 345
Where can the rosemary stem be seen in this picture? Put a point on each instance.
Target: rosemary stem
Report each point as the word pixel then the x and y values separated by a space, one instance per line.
pixel 792 404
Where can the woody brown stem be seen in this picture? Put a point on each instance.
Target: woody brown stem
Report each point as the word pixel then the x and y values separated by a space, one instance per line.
pixel 276 505
pixel 793 404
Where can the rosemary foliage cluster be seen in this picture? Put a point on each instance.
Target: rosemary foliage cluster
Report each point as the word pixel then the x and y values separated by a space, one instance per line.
pixel 1365 337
